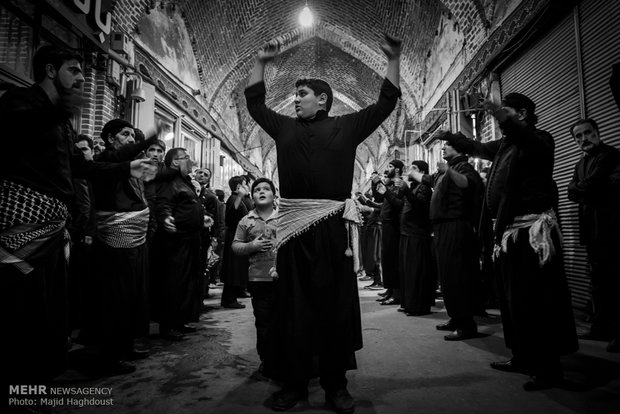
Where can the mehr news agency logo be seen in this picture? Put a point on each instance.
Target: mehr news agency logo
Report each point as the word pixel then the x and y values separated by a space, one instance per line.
pixel 44 396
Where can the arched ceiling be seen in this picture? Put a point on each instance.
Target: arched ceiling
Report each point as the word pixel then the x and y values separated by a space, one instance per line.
pixel 343 47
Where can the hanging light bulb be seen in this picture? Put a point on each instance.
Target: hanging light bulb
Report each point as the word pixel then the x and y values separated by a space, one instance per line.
pixel 306 19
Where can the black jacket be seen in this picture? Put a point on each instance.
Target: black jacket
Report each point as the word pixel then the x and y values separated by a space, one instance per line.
pixel 596 187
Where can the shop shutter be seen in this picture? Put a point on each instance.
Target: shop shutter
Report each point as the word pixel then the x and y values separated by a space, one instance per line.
pixel 600 45
pixel 547 73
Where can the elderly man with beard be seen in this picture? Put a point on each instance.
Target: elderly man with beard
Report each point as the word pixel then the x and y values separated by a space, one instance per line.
pixel 36 190
pixel 181 218
pixel 596 188
pixel 520 196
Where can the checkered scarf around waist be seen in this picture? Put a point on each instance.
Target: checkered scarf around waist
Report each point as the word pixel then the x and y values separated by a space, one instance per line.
pixel 28 220
pixel 296 216
pixel 541 226
pixel 124 229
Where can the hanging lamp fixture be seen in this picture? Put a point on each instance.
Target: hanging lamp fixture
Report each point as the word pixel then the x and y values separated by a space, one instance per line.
pixel 306 19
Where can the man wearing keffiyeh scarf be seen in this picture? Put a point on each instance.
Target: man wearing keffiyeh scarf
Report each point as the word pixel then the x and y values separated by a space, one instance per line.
pixel 520 198
pixel 35 190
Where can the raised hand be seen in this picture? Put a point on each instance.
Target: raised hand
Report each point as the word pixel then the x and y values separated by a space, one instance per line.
pixel 143 169
pixel 381 188
pixel 442 167
pixel 268 52
pixel 391 46
pixel 169 225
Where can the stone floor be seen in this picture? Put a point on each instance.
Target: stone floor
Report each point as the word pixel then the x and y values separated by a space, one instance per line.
pixel 405 367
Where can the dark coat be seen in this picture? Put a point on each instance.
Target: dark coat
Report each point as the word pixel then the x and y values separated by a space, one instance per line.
pixel 317 300
pixel 596 187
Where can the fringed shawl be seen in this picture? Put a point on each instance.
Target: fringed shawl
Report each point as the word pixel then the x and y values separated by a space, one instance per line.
pixel 296 216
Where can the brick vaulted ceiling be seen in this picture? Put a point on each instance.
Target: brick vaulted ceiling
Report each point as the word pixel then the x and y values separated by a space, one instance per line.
pixel 343 47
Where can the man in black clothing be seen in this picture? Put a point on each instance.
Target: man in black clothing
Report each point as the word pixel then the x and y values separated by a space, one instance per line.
pixel 596 188
pixel 454 213
pixel 317 303
pixel 181 217
pixel 36 190
pixel 415 258
pixel 209 203
pixel 392 197
pixel 528 254
pixel 371 254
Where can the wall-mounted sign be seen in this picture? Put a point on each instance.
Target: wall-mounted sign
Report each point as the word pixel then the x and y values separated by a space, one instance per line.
pixel 99 20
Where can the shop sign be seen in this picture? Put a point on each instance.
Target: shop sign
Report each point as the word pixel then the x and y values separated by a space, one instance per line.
pixel 101 22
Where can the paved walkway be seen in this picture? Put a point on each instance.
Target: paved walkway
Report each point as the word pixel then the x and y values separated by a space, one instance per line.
pixel 405 367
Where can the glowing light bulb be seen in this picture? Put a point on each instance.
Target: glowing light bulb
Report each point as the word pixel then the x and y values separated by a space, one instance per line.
pixel 169 136
pixel 305 17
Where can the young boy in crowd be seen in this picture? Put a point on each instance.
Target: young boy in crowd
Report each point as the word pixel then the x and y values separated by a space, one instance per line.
pixel 255 236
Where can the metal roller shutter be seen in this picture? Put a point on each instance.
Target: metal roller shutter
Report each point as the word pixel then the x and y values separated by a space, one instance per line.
pixel 547 73
pixel 600 45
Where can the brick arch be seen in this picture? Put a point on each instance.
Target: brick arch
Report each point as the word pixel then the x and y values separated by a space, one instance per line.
pixel 333 35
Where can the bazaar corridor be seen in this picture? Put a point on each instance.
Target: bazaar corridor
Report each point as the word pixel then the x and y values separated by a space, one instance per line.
pixel 405 367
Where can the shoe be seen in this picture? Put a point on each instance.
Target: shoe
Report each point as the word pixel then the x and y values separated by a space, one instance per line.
pixel 172 335
pixel 508 366
pixel 234 305
pixel 384 298
pixel 613 346
pixel 285 399
pixel 374 286
pixel 384 294
pixel 539 383
pixel 136 354
pixel 417 313
pixel 365 278
pixel 448 326
pixel 186 329
pixel 391 301
pixel 341 401
pixel 460 334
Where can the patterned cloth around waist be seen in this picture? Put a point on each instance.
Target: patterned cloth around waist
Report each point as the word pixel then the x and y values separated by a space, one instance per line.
pixel 28 219
pixel 541 226
pixel 296 216
pixel 122 230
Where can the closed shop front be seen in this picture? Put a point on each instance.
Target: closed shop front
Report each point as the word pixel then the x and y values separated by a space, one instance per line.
pixel 566 72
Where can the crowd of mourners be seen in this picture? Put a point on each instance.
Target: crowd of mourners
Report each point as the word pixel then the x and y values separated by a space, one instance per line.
pixel 103 236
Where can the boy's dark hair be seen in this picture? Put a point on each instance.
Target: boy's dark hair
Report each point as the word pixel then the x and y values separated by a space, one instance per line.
pixel 263 180
pixel 318 86
pixel 590 121
pixel 235 181
pixel 172 152
pixel 84 137
pixel 50 54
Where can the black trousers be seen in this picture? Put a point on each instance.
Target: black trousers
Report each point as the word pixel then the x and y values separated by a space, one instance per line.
pixel 389 254
pixel 605 284
pixel 35 317
pixel 525 290
pixel 457 268
pixel 262 303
